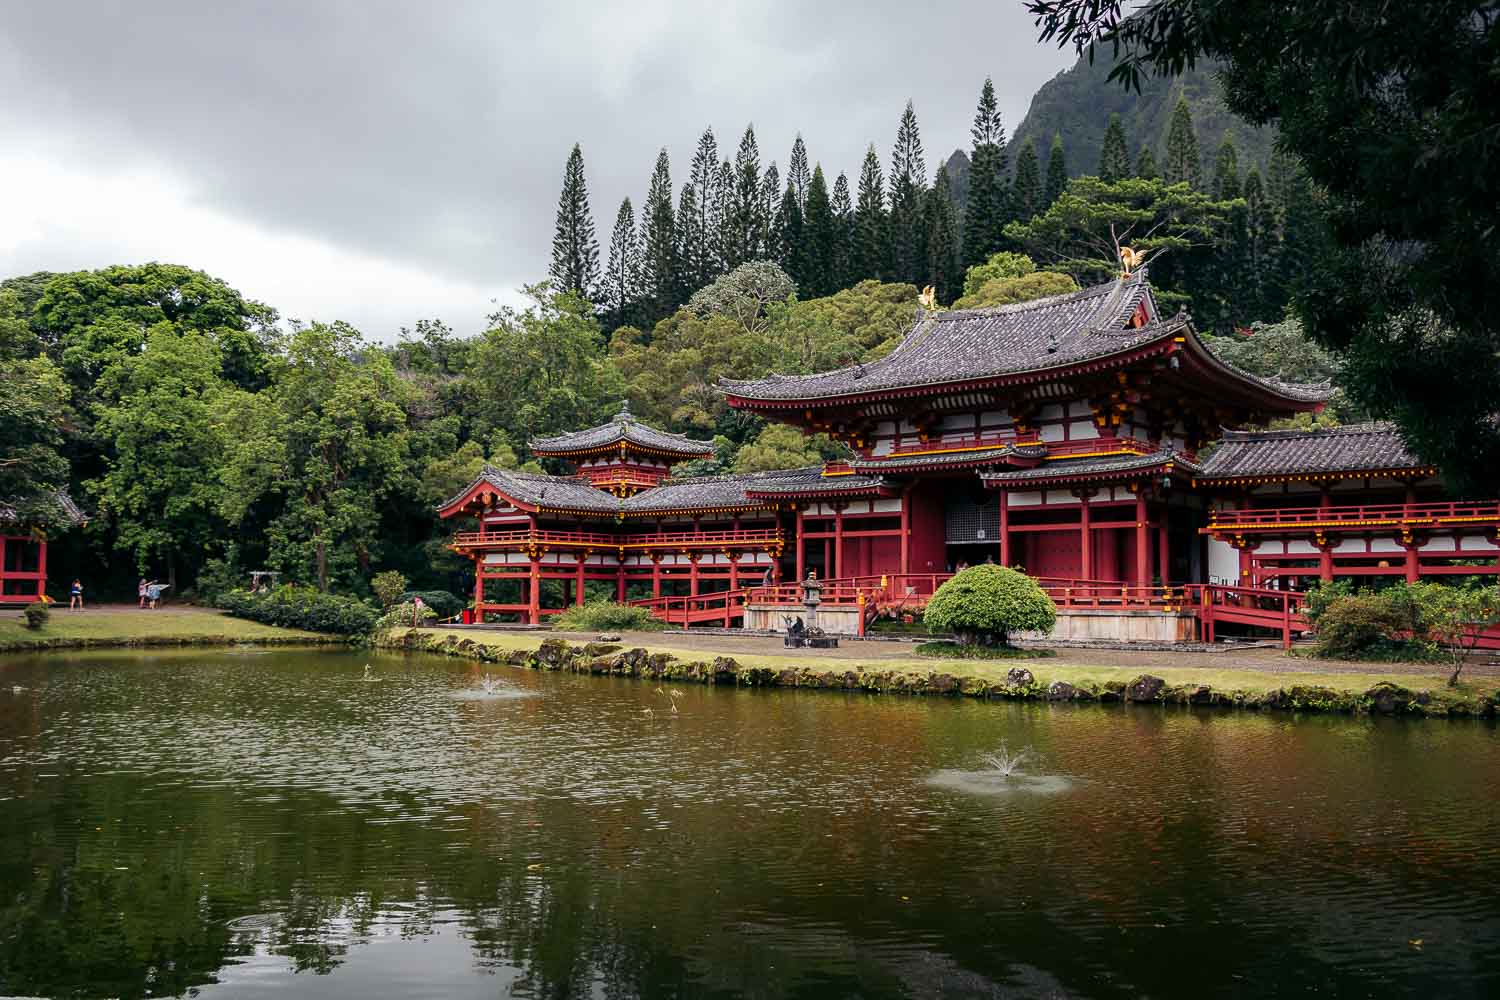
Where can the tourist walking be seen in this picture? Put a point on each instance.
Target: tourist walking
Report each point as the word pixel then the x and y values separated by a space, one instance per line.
pixel 141 591
pixel 75 595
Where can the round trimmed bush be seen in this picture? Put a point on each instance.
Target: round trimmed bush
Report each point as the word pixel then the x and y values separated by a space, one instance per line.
pixel 982 605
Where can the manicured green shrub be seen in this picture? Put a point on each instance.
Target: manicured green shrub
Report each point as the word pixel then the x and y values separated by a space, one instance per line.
pixel 1321 596
pixel 37 614
pixel 441 601
pixel 982 605
pixel 388 587
pixel 404 616
pixel 1357 626
pixel 304 608
pixel 607 616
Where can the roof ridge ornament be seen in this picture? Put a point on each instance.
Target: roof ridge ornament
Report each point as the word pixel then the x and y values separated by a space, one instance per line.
pixel 624 416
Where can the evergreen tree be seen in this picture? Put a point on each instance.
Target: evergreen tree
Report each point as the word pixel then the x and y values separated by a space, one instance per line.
pixel 820 241
pixel 695 215
pixel 621 289
pixel 1145 165
pixel 661 284
pixel 843 251
pixel 1226 172
pixel 768 241
pixel 1261 249
pixel 789 252
pixel 1057 173
pixel 723 216
pixel 797 176
pixel 943 270
pixel 1184 162
pixel 745 219
pixel 908 183
pixel 1026 192
pixel 988 209
pixel 575 250
pixel 871 225
pixel 1114 160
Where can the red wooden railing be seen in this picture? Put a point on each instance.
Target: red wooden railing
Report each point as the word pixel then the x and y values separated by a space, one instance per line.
pixel 1396 514
pixel 743 538
pixel 1274 609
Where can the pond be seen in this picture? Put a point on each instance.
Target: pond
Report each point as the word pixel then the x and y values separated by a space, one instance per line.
pixel 248 823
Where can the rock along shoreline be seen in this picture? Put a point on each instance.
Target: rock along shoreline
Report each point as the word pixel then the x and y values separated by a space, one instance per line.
pixel 608 659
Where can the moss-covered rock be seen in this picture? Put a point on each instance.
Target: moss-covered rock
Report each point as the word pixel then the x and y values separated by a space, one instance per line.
pixel 1144 688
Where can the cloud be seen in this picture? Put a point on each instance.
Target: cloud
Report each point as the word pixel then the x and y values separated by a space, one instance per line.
pixel 414 151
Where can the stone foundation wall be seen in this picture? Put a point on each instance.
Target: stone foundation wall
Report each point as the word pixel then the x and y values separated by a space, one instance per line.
pixel 772 618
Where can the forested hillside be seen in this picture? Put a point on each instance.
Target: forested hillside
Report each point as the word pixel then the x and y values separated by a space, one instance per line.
pixel 1076 104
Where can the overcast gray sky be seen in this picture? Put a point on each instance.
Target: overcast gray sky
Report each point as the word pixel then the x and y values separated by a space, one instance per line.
pixel 381 162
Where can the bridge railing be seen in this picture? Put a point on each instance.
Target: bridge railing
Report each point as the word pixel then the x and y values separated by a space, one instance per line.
pixel 1419 514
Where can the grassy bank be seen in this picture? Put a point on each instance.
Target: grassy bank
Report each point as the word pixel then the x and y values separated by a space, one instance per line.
pixel 124 625
pixel 1171 677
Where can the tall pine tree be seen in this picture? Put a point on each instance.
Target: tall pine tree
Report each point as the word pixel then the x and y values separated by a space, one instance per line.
pixel 797 176
pixel 1145 165
pixel 661 282
pixel 1114 159
pixel 819 240
pixel 1226 172
pixel 871 225
pixel 620 291
pixel 575 249
pixel 988 209
pixel 723 217
pixel 790 251
pixel 944 272
pixel 695 215
pixel 1057 173
pixel 1026 192
pixel 768 239
pixel 745 222
pixel 843 215
pixel 1184 162
pixel 908 184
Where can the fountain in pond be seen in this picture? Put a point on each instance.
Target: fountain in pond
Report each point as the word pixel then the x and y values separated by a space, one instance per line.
pixel 1003 776
pixel 368 676
pixel 491 689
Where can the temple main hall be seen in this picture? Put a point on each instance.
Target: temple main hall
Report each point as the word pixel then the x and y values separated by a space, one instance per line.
pixel 1085 439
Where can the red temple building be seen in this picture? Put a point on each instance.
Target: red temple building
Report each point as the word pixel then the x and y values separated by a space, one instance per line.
pixel 23 552
pixel 1084 438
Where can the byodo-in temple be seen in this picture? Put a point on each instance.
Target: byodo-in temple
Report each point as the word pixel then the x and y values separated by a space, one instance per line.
pixel 1086 438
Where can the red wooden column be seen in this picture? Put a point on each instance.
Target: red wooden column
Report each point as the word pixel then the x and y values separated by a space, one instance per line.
pixel 1413 560
pixel 534 592
pixel 620 584
pixel 734 566
pixel 655 574
pixel 41 568
pixel 1325 548
pixel 906 528
pixel 2 565
pixel 1086 560
pixel 1163 548
pixel 1004 528
pixel 801 543
pixel 1142 552
pixel 838 540
pixel 583 559
pixel 478 582
pixel 693 573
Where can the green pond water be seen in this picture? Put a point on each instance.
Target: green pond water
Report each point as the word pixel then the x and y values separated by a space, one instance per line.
pixel 248 823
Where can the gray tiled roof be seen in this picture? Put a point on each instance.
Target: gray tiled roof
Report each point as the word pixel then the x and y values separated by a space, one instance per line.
pixel 978 343
pixel 1077 468
pixel 63 510
pixel 545 491
pixel 959 458
pixel 694 493
pixel 974 344
pixel 812 480
pixel 1358 447
pixel 624 427
pixel 715 491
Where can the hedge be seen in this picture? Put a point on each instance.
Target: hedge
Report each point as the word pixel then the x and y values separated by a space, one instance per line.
pixel 304 608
